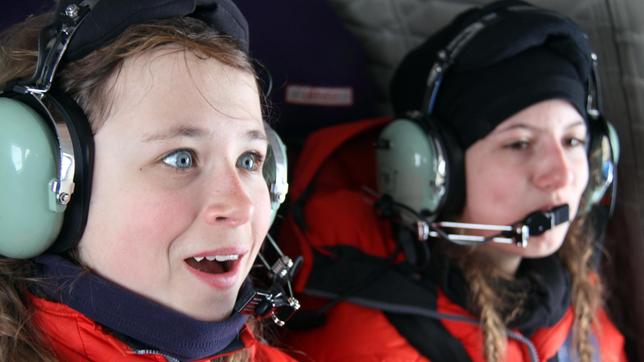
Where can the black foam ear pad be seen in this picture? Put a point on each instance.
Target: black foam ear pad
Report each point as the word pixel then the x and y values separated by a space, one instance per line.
pixel 275 170
pixel 455 195
pixel 603 155
pixel 454 198
pixel 62 106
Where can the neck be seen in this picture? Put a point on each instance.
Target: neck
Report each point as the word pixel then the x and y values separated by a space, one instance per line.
pixel 507 263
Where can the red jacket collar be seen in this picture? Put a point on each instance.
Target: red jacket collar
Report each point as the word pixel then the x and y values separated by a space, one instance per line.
pixel 74 337
pixel 321 144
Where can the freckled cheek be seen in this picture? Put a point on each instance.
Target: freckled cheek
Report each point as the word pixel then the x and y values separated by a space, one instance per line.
pixel 158 220
pixel 490 195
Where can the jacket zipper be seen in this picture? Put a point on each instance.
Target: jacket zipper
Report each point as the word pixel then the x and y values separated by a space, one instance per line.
pixel 152 351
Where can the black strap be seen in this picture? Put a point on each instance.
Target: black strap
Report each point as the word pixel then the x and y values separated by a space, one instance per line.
pixel 429 337
pixel 408 303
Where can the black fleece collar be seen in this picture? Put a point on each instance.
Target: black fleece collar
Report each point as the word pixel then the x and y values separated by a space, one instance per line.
pixel 542 286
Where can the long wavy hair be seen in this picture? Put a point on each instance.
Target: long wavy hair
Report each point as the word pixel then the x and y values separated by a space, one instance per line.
pixel 489 300
pixel 87 81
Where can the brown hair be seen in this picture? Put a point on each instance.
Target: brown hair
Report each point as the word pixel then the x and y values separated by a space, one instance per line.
pixel 490 302
pixel 87 81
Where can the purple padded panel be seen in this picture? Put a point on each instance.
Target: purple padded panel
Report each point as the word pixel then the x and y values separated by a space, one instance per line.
pixel 16 11
pixel 318 68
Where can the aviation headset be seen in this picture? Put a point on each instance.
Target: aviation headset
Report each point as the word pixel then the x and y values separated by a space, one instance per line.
pixel 46 144
pixel 419 161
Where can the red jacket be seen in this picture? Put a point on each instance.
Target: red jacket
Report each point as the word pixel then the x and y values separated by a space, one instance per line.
pixel 75 338
pixel 336 165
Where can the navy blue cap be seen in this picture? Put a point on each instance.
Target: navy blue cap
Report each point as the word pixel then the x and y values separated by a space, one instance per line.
pixel 109 18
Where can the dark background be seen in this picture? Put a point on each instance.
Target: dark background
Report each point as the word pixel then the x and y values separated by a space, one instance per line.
pixel 19 10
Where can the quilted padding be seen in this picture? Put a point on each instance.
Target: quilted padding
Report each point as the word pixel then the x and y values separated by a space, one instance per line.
pixel 388 29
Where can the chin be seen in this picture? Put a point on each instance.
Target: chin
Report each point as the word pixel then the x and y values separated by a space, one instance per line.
pixel 208 308
pixel 545 245
pixel 213 313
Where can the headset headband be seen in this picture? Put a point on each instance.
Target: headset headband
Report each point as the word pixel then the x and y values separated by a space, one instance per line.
pixel 447 56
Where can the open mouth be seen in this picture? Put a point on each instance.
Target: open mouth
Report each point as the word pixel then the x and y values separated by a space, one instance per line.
pixel 213 264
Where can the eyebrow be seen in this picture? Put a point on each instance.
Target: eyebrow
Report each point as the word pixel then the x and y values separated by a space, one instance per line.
pixel 194 132
pixel 525 126
pixel 174 132
pixel 256 135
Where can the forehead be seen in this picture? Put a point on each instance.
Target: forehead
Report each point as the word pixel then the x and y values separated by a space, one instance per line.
pixel 171 83
pixel 553 114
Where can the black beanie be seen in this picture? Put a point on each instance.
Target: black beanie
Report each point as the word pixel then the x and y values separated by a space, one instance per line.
pixel 521 58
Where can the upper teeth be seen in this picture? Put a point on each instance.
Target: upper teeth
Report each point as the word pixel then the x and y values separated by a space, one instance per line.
pixel 218 258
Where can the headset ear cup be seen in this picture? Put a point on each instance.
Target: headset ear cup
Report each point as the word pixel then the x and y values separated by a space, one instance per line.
pixel 603 155
pixel 275 170
pixel 411 166
pixel 31 219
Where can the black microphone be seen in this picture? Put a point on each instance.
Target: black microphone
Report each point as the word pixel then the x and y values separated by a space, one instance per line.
pixel 276 300
pixel 539 222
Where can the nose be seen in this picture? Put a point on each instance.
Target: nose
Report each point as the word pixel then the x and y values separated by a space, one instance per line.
pixel 228 201
pixel 552 169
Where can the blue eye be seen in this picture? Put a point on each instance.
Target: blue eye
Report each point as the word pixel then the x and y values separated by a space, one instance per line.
pixel 181 159
pixel 250 161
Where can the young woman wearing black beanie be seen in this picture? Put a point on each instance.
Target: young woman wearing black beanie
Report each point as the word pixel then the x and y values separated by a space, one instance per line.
pixel 465 235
